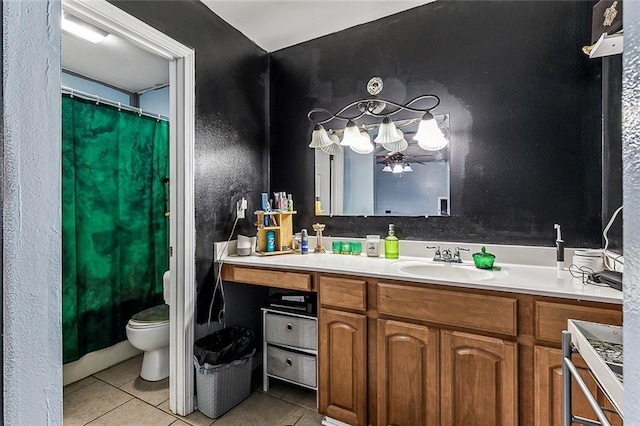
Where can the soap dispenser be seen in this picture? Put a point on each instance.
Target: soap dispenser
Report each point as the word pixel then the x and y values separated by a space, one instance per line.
pixel 391 244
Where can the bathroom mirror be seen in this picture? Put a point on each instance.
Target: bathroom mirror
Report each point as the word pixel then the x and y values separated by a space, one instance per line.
pixel 351 184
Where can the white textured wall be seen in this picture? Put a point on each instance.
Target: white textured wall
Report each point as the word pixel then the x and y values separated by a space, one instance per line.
pixel 631 200
pixel 31 224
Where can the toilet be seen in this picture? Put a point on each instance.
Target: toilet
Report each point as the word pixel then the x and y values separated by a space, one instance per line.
pixel 148 331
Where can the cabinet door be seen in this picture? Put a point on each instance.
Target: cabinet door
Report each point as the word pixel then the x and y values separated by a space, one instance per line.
pixel 479 380
pixel 343 363
pixel 407 374
pixel 548 389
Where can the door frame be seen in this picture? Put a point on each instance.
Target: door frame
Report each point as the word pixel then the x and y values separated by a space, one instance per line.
pixel 181 163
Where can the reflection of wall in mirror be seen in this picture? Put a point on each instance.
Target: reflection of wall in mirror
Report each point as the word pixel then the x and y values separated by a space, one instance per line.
pixel 412 193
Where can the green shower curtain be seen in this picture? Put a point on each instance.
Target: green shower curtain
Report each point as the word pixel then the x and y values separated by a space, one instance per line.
pixel 114 229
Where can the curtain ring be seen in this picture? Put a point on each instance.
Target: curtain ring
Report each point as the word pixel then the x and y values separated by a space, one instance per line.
pixel 158 117
pixel 97 100
pixel 140 112
pixel 72 93
pixel 119 106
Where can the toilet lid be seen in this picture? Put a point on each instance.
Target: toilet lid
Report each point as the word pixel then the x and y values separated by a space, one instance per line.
pixel 154 315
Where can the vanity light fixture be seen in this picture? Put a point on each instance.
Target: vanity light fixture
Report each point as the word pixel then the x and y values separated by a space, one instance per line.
pixel 82 29
pixel 428 136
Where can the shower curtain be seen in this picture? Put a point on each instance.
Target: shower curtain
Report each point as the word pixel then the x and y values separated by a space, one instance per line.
pixel 114 229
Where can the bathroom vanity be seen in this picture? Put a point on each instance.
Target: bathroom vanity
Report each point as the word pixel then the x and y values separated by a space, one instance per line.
pixel 421 348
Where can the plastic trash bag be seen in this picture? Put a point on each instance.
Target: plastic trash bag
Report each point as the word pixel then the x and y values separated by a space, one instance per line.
pixel 224 346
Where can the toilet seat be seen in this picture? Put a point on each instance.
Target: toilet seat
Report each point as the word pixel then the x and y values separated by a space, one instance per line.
pixel 157 316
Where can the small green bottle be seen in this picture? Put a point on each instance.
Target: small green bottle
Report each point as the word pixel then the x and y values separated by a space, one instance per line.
pixel 391 243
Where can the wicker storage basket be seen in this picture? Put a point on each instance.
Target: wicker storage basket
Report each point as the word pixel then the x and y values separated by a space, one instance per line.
pixel 221 387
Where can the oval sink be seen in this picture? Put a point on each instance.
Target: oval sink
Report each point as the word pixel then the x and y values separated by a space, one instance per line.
pixel 444 271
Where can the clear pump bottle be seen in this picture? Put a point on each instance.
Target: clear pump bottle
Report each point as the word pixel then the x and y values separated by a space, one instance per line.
pixel 391 244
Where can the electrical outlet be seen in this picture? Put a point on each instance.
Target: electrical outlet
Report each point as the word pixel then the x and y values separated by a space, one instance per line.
pixel 241 206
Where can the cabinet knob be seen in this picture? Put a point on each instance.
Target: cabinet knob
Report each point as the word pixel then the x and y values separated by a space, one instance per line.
pixel 289 327
pixel 289 362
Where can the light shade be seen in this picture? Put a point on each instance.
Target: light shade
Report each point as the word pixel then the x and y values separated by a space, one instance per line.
pixel 387 132
pixel 319 137
pixel 334 148
pixel 407 168
pixel 77 27
pixel 397 168
pixel 429 136
pixel 363 144
pixel 351 134
pixel 387 168
pixel 397 146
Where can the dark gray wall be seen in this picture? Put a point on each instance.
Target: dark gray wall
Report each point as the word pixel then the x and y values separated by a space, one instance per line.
pixel 230 123
pixel 525 107
pixel 612 147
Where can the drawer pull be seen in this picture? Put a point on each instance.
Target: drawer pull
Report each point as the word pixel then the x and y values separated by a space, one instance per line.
pixel 289 362
pixel 289 327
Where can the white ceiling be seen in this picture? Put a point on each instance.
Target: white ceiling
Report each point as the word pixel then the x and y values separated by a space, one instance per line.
pixel 272 25
pixel 115 62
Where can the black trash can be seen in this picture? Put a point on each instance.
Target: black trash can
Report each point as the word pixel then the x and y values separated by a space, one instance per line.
pixel 223 369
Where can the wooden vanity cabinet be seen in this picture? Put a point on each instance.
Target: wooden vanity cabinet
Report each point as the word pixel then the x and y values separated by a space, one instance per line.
pixel 407 377
pixel 429 375
pixel 343 350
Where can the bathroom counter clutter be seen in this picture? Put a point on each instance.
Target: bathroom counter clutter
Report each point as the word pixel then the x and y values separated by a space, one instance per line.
pixel 526 279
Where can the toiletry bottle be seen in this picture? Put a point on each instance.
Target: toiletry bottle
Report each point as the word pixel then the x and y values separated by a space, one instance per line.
pixel 289 203
pixel 304 244
pixel 318 207
pixel 559 248
pixel 271 241
pixel 391 244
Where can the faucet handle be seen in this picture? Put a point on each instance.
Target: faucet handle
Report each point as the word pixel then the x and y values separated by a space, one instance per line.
pixel 436 248
pixel 456 255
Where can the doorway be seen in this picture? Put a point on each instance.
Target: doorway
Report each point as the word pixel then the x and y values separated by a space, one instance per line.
pixel 182 205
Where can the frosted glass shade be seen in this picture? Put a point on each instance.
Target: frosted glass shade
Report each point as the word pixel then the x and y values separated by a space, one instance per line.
pixel 351 134
pixel 387 132
pixel 387 168
pixel 397 146
pixel 397 168
pixel 407 168
pixel 363 145
pixel 429 136
pixel 319 137
pixel 335 147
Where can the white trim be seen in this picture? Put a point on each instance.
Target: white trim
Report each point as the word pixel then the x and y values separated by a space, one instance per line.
pixel 96 361
pixel 182 204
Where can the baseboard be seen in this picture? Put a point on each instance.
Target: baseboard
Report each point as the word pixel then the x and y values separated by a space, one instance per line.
pixel 97 361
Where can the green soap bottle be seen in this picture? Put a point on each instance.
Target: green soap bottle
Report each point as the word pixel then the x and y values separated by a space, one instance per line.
pixel 391 244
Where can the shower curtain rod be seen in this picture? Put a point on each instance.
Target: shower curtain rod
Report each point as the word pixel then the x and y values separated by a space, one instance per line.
pixel 91 97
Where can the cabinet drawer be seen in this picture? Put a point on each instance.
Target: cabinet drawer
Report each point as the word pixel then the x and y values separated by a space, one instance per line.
pixel 267 277
pixel 343 293
pixel 551 318
pixel 480 312
pixel 291 331
pixel 294 366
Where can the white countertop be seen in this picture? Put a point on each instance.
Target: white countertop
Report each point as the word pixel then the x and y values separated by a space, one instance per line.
pixel 528 279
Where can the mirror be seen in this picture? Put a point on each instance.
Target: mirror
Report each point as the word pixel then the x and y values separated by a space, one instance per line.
pixel 351 184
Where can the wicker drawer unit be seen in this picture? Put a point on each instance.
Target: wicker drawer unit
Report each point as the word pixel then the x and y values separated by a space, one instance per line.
pixel 293 366
pixel 289 348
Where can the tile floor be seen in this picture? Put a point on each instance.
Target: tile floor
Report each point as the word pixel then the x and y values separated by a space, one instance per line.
pixel 118 396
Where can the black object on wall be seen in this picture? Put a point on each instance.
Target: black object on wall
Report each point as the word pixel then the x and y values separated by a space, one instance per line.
pixel 230 123
pixel 525 108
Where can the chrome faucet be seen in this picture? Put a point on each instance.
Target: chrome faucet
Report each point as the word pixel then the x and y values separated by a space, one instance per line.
pixel 445 255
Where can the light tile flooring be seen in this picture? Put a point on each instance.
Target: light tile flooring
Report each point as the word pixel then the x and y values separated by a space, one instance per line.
pixel 118 396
